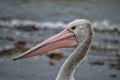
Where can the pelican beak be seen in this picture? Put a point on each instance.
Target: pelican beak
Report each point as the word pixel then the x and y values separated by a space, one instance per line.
pixel 63 39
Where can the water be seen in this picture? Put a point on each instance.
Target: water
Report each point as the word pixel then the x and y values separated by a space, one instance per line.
pixel 61 10
pixel 24 23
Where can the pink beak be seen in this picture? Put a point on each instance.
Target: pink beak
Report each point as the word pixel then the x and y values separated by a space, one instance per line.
pixel 63 39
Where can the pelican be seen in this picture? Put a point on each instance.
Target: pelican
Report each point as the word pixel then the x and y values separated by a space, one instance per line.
pixel 79 34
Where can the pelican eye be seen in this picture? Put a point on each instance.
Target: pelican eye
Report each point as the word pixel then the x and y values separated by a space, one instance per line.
pixel 72 28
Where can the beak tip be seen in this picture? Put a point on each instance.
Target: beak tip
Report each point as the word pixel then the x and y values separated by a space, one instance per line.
pixel 14 59
pixel 17 58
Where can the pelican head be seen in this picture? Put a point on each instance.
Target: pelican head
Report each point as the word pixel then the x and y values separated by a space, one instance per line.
pixel 71 36
pixel 80 28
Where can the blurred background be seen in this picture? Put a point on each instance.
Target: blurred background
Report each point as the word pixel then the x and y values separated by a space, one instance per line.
pixel 24 23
